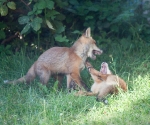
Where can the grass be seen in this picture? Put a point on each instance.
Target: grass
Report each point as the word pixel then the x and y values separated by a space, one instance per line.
pixel 37 105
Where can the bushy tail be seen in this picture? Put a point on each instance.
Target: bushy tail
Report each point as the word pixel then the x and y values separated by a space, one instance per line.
pixel 20 80
pixel 29 77
pixel 123 84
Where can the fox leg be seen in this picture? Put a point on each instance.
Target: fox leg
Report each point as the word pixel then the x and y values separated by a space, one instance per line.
pixel 44 74
pixel 94 72
pixel 70 83
pixel 90 94
pixel 104 92
pixel 69 79
pixel 85 93
pixel 44 77
pixel 76 78
pixel 29 78
pixel 59 77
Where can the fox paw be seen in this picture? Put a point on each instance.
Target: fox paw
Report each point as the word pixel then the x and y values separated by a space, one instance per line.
pixel 80 93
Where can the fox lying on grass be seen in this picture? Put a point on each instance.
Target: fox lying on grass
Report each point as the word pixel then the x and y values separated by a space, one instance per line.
pixel 63 60
pixel 104 82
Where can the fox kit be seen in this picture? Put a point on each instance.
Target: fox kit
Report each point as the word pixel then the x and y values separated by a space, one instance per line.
pixel 104 82
pixel 63 60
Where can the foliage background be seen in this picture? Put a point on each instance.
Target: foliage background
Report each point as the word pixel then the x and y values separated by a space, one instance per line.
pixel 41 24
pixel 29 27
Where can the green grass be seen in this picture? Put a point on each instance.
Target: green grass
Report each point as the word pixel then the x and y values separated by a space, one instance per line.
pixel 37 105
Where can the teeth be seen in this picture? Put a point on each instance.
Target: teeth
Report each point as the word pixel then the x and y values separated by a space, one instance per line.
pixel 96 52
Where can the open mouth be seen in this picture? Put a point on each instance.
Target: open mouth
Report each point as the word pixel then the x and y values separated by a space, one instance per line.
pixel 96 52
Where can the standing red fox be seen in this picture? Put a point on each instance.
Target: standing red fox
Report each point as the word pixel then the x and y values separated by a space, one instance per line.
pixel 63 60
pixel 104 82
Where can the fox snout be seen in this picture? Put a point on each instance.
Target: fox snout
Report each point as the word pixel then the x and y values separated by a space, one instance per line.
pixel 96 51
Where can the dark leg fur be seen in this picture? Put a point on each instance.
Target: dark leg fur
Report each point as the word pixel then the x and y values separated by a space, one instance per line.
pixel 78 81
pixel 70 83
pixel 102 100
pixel 44 78
pixel 73 85
pixel 29 78
pixel 59 77
pixel 44 75
pixel 103 93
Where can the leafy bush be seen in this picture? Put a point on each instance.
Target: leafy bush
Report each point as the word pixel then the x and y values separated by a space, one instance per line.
pixel 55 22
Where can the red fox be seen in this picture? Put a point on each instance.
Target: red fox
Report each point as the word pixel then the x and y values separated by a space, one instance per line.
pixel 63 60
pixel 104 82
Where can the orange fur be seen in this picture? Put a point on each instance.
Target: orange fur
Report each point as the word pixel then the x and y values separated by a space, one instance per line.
pixel 63 60
pixel 104 84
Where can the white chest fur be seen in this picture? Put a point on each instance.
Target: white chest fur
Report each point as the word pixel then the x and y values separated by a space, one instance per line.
pixel 111 81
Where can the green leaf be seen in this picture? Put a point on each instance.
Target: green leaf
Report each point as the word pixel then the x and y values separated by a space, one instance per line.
pixel 2 2
pixel 49 4
pixel 11 5
pixel 36 23
pixel 38 12
pixel 76 32
pixel 74 2
pixel 2 34
pixel 38 20
pixel 82 11
pixel 61 17
pixel 125 16
pixel 61 29
pixel 49 24
pixel 35 26
pixel 26 28
pixel 59 26
pixel 60 38
pixel 4 10
pixel 52 14
pixel 34 8
pixel 115 28
pixel 89 17
pixel 8 47
pixel 23 19
pixel 2 25
pixel 41 4
pixel 30 13
pixel 93 8
pixel 61 4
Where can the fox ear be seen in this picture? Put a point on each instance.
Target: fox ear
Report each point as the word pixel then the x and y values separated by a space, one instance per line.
pixel 88 32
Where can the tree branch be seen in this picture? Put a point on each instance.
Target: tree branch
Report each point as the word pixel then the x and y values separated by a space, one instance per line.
pixel 26 4
pixel 10 38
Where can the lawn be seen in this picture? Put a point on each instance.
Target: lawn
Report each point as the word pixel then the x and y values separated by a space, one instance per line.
pixel 39 105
